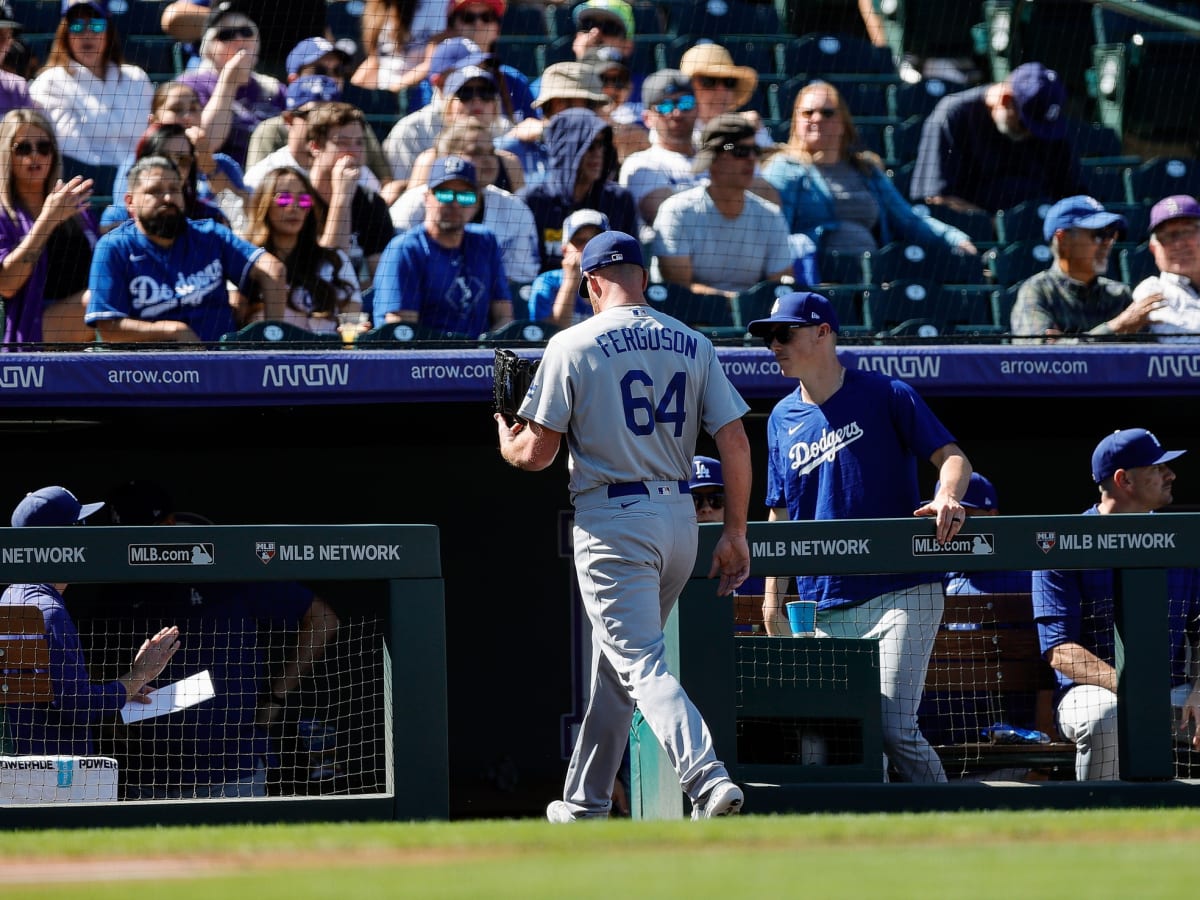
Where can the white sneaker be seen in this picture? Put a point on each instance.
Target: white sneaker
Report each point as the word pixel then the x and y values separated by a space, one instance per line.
pixel 725 799
pixel 559 813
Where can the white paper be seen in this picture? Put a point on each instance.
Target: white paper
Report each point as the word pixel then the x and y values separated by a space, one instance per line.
pixel 171 698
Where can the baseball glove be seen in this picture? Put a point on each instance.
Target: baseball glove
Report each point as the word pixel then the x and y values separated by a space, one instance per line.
pixel 512 377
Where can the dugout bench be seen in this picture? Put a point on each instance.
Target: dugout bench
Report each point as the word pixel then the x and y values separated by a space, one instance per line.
pixel 709 657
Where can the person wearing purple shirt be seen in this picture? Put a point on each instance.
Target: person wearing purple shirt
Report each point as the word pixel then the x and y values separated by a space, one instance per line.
pixel 63 727
pixel 845 445
pixel 14 89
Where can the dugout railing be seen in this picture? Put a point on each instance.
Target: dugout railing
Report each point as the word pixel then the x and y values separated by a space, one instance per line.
pixel 711 659
pixel 402 566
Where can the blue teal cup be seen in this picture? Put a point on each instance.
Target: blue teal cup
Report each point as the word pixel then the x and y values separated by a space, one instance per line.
pixel 802 617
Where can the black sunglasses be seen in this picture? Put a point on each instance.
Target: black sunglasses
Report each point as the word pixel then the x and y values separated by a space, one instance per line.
pixel 236 31
pixel 607 27
pixel 467 94
pixel 27 148
pixel 615 81
pixel 707 81
pixel 783 334
pixel 741 151
pixel 486 18
pixel 715 500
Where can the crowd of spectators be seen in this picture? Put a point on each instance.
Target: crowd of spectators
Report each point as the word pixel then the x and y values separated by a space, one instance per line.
pixel 801 184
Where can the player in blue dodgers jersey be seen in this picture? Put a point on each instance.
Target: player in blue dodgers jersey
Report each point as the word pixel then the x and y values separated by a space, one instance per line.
pixel 161 276
pixel 630 388
pixel 845 445
pixel 446 273
pixel 1073 610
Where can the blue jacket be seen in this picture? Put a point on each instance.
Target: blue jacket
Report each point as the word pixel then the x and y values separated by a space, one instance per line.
pixel 808 206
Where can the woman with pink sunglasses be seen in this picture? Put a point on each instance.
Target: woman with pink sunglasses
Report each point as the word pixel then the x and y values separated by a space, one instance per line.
pixel 286 216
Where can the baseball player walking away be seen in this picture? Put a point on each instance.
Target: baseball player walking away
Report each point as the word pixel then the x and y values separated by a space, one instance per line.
pixel 630 388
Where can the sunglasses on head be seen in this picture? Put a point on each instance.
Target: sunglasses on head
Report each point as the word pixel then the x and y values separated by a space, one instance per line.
pixel 715 500
pixel 236 31
pixel 95 26
pixel 484 18
pixel 27 148
pixel 284 199
pixel 826 112
pixel 781 333
pixel 741 151
pixel 707 81
pixel 607 27
pixel 486 93
pixel 686 103
pixel 463 198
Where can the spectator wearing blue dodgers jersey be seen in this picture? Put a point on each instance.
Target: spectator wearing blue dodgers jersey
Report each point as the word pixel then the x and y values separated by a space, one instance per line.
pixel 630 389
pixel 845 445
pixel 161 276
pixel 447 273
pixel 1073 611
pixel 64 725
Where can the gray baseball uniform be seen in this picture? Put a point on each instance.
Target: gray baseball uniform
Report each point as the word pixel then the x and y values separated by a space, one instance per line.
pixel 631 388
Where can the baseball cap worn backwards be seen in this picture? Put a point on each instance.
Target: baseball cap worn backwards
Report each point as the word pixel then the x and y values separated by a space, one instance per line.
pixel 1040 98
pixel 582 218
pixel 51 507
pixel 1129 448
pixel 1177 206
pixel 727 128
pixel 796 308
pixel 308 51
pixel 1079 211
pixel 609 248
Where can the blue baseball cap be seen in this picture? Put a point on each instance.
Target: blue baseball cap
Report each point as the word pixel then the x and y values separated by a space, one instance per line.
pixel 100 6
pixel 1040 98
pixel 457 79
pixel 1080 211
pixel 796 308
pixel 609 248
pixel 451 168
pixel 311 89
pixel 51 507
pixel 706 472
pixel 456 53
pixel 1129 448
pixel 309 50
pixel 980 493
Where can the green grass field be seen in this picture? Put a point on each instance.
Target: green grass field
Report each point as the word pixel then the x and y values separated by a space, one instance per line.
pixel 1109 853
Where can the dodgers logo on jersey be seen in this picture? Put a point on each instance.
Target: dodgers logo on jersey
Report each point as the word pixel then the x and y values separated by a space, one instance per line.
pixel 806 456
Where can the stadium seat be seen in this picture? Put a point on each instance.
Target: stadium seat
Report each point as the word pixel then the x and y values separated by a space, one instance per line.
pixel 692 309
pixel 526 54
pixel 976 223
pixel 38 16
pixel 344 19
pixel 911 262
pixel 816 55
pixel 903 308
pixel 968 309
pixel 836 267
pixel 1163 176
pixel 1013 263
pixel 901 176
pixel 277 332
pixel 847 303
pixel 902 140
pixel 1129 87
pixel 1022 222
pixel 524 19
pixel 1097 144
pixel 930 28
pixel 156 55
pixel 1137 264
pixel 520 331
pixel 1105 183
pixel 1137 218
pixel 26 652
pixel 907 100
pixel 1057 34
pixel 142 18
pixel 717 21
pixel 756 302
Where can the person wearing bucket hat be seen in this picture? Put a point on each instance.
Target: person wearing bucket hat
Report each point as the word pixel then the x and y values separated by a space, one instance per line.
pixel 1175 245
pixel 447 276
pixel 845 444
pixel 635 533
pixel 994 146
pixel 722 238
pixel 665 168
pixel 67 726
pixel 581 165
pixel 554 296
pixel 1073 610
pixel 98 105
pixel 1073 296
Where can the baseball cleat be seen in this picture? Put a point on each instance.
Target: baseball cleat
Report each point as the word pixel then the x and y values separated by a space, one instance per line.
pixel 559 813
pixel 725 799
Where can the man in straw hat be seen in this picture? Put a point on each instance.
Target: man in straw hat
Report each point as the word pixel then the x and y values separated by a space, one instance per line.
pixel 721 87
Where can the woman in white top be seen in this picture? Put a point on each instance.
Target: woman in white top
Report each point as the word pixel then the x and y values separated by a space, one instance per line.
pixel 286 216
pixel 97 104
pixel 398 38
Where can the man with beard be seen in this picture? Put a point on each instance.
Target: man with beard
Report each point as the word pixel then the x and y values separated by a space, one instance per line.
pixel 161 276
pixel 445 274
